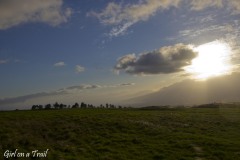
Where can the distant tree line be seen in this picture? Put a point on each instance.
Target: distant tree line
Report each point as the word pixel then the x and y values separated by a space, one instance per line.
pixel 76 105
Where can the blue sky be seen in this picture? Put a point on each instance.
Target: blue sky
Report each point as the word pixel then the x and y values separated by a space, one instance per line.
pixel 111 50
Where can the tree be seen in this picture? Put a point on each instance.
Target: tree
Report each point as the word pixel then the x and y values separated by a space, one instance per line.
pixel 48 106
pixel 83 105
pixel 76 105
pixel 90 106
pixel 61 106
pixel 40 106
pixel 56 105
pixel 112 106
pixel 34 107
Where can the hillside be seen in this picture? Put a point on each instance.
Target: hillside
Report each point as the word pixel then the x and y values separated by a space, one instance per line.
pixel 191 92
pixel 105 134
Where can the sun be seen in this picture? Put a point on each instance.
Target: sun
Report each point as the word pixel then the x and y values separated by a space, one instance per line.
pixel 213 60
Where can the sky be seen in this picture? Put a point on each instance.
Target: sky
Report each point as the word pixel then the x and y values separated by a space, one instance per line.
pixel 119 52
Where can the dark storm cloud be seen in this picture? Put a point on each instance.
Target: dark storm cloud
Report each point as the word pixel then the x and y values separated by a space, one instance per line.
pixel 165 60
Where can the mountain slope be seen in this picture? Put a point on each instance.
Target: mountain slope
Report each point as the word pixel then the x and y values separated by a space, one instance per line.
pixel 189 92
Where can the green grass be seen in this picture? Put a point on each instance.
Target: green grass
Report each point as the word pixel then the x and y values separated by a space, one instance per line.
pixel 109 134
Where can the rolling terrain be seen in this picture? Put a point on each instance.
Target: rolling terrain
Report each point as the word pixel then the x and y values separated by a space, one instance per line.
pixel 106 134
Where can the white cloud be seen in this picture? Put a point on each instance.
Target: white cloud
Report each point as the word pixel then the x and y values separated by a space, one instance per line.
pixel 120 30
pixel 124 16
pixel 3 61
pixel 202 4
pixel 226 28
pixel 95 86
pixel 228 32
pixel 127 84
pixel 84 86
pixel 15 12
pixel 79 69
pixel 59 64
pixel 235 5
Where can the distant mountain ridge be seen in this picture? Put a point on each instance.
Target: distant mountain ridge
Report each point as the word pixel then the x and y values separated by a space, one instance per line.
pixel 191 92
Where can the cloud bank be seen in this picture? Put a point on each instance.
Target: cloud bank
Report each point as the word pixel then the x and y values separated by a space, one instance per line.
pixel 65 91
pixel 165 60
pixel 24 98
pixel 15 12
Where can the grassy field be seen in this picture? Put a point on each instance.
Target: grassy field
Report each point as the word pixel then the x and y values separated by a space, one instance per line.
pixel 124 134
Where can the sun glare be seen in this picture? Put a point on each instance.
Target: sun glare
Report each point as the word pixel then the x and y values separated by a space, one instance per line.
pixel 213 60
